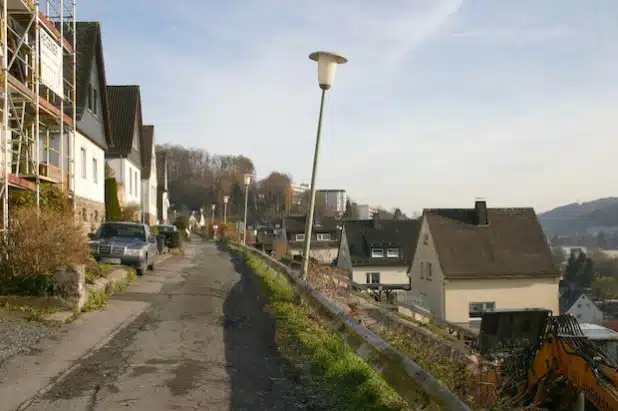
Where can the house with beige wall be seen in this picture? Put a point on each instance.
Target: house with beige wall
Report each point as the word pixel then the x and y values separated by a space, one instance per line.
pixel 377 253
pixel 324 237
pixel 471 260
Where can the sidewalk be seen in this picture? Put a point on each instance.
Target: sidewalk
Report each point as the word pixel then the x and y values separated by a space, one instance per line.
pixel 24 376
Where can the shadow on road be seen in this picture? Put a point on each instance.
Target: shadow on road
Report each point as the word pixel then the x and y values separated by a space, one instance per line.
pixel 261 378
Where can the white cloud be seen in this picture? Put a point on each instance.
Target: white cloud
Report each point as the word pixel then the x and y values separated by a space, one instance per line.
pixel 240 82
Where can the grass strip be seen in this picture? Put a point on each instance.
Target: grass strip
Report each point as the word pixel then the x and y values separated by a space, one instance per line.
pixel 346 380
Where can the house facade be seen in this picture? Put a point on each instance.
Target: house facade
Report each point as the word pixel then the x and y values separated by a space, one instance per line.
pixel 163 202
pixel 468 261
pixel 93 130
pixel 149 176
pixel 324 237
pixel 580 306
pixel 124 157
pixel 377 254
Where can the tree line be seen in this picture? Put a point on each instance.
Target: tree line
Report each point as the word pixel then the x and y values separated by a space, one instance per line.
pixel 594 271
pixel 197 179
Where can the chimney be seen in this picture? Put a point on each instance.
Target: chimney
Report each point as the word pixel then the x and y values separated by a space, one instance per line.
pixel 480 211
pixel 376 219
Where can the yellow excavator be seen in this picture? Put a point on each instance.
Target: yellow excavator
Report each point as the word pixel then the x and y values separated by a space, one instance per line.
pixel 546 362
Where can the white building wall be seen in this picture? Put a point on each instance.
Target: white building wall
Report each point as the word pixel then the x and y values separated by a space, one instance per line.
pixel 90 167
pixel 128 175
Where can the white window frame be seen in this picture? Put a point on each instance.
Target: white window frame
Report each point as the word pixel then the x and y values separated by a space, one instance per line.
pixel 130 181
pixel 299 237
pixel 369 277
pixel 95 170
pixel 429 271
pixel 323 237
pixel 425 238
pixel 392 253
pixel 485 305
pixel 377 253
pixel 84 160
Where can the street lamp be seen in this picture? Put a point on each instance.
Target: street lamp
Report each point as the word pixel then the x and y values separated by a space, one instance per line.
pixel 327 65
pixel 225 200
pixel 244 231
pixel 212 214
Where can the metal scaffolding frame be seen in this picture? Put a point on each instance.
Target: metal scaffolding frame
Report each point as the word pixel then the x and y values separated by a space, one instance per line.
pixel 37 127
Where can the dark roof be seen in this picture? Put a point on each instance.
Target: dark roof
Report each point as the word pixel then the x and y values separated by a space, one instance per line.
pixel 296 224
pixel 146 149
pixel 89 46
pixel 124 105
pixel 363 235
pixel 511 244
pixel 570 297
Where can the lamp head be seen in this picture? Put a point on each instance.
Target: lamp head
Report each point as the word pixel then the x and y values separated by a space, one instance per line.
pixel 327 65
pixel 247 179
pixel 225 199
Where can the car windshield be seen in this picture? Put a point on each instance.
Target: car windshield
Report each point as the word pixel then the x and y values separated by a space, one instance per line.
pixel 122 231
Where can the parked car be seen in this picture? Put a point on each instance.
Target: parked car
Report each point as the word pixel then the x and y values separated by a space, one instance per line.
pixel 166 228
pixel 130 244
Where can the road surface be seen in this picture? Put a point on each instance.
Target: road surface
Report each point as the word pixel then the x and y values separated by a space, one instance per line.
pixel 204 343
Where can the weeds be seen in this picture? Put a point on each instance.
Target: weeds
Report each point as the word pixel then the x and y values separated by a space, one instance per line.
pixel 96 301
pixel 348 383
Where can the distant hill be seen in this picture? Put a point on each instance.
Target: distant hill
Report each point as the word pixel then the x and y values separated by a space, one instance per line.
pixel 580 218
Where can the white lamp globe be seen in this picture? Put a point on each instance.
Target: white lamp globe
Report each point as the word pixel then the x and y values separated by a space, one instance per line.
pixel 327 65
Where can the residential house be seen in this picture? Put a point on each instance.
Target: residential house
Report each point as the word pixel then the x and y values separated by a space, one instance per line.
pixel 579 305
pixel 149 176
pixel 471 260
pixel 124 157
pixel 324 237
pixel 163 202
pixel 377 253
pixel 93 129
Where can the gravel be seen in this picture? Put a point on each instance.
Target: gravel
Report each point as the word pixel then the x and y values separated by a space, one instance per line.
pixel 19 336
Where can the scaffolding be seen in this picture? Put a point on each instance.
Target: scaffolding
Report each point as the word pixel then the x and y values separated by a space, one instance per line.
pixel 38 44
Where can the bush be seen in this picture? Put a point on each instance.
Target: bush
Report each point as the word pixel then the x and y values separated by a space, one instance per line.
pixel 112 206
pixel 130 213
pixel 51 197
pixel 174 239
pixel 182 223
pixel 37 244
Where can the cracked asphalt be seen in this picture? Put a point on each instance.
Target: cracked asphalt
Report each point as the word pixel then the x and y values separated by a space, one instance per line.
pixel 204 343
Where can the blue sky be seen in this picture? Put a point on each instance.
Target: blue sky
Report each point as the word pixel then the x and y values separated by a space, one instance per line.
pixel 442 101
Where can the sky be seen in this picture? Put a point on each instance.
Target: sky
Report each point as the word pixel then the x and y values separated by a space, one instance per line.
pixel 441 101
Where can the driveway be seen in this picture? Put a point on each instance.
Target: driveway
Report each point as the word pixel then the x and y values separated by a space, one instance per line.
pixel 203 342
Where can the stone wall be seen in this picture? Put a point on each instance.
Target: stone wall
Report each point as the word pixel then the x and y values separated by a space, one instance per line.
pixel 70 285
pixel 90 213
pixel 323 255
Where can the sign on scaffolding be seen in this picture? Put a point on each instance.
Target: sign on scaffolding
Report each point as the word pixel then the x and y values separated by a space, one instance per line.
pixel 51 63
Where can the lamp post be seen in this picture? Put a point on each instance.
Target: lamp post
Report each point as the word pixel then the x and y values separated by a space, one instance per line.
pixel 212 214
pixel 327 65
pixel 225 200
pixel 244 231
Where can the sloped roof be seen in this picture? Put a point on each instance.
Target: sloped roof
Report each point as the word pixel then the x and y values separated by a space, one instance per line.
pixel 296 224
pixel 146 149
pixel 124 104
pixel 89 46
pixel 363 235
pixel 512 244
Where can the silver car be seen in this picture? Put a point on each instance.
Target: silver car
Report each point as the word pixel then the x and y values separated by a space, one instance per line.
pixel 129 244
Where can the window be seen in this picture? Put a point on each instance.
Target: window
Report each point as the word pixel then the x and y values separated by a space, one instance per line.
pixel 324 237
pixel 425 238
pixel 373 278
pixel 299 237
pixel 94 101
pixel 476 310
pixel 392 253
pixel 95 171
pixel 422 270
pixel 377 253
pixel 89 97
pixel 83 157
pixel 428 271
pixel 579 306
pixel 130 181
pixel 135 183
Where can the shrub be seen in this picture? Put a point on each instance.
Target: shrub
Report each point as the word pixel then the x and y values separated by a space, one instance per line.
pixel 112 206
pixel 51 197
pixel 174 239
pixel 182 223
pixel 37 243
pixel 130 213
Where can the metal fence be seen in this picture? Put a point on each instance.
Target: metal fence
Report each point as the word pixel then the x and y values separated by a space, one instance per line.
pixel 332 297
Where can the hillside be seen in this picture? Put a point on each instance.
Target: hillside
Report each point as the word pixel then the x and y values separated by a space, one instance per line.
pixel 578 218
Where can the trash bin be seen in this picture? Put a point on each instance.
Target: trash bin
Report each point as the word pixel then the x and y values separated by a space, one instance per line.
pixel 161 243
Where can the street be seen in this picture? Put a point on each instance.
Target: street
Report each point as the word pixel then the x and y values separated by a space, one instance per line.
pixel 203 342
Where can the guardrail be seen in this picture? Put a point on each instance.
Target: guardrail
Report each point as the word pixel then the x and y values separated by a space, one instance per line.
pixel 419 388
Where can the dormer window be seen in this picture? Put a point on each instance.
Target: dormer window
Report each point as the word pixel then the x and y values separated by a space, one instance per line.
pixel 324 237
pixel 299 237
pixel 377 253
pixel 392 253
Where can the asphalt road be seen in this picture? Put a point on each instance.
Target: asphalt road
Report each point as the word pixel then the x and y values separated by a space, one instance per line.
pixel 204 344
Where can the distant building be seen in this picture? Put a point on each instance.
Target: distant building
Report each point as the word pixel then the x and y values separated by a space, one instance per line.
pixel 334 200
pixel 365 212
pixel 297 192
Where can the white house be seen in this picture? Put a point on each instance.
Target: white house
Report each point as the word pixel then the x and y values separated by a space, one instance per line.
pixel 93 131
pixel 124 157
pixel 163 202
pixel 149 176
pixel 579 305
